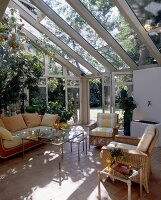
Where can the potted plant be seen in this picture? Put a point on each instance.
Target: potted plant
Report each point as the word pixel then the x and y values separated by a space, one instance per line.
pixel 127 104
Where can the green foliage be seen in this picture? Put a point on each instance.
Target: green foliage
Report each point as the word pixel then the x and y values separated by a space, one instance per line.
pixel 124 102
pixel 95 93
pixel 37 105
pixel 57 108
pixel 57 91
pixel 18 70
pixel 116 153
pixel 52 84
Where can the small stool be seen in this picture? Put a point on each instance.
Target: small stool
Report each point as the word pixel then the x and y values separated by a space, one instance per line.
pixel 78 140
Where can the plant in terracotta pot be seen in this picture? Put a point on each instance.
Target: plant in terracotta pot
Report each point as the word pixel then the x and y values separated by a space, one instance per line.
pixel 127 104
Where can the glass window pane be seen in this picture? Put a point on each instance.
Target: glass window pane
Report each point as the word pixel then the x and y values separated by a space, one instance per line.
pixel 51 26
pixel 149 14
pixel 66 12
pixel 110 18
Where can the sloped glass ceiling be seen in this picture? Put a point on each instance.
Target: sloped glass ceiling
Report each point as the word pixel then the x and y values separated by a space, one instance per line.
pixel 58 32
pixel 51 47
pixel 67 13
pixel 149 14
pixel 111 19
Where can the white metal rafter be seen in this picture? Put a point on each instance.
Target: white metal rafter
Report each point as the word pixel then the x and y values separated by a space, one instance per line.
pixel 131 18
pixel 57 57
pixel 93 22
pixel 52 15
pixel 32 19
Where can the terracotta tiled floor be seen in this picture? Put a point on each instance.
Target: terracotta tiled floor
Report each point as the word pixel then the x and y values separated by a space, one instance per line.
pixel 35 177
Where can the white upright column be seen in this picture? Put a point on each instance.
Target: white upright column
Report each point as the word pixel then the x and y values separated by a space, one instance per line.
pixel 84 101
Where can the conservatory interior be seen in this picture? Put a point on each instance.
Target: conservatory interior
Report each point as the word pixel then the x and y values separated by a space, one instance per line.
pixel 80 84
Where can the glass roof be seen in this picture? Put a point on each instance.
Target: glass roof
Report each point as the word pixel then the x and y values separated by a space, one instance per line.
pixel 52 27
pixel 108 15
pixel 111 19
pixel 149 14
pixel 67 13
pixel 51 46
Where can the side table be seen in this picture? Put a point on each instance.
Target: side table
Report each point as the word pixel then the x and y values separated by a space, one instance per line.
pixel 121 177
pixel 81 138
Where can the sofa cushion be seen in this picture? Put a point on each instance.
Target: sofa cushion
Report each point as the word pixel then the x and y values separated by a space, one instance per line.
pixel 101 131
pixel 107 120
pixel 10 144
pixel 49 119
pixel 14 123
pixel 1 123
pixel 32 119
pixel 146 138
pixel 121 146
pixel 5 134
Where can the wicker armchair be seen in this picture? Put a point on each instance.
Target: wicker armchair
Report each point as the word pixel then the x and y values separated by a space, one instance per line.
pixel 132 156
pixel 104 130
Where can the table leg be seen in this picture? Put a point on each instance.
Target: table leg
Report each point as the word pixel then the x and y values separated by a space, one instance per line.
pixel 60 157
pixel 62 151
pixel 129 190
pixel 71 146
pixel 86 145
pixel 99 186
pixel 23 154
pixel 78 152
pixel 141 184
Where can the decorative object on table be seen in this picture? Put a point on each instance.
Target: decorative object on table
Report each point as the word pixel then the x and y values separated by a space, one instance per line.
pixel 127 104
pixel 123 169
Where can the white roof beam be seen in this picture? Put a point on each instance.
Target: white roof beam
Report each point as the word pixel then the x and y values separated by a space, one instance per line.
pixel 56 56
pixel 25 14
pixel 139 29
pixel 41 5
pixel 93 22
pixel 3 7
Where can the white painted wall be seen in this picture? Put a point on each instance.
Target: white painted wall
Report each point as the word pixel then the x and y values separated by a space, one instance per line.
pixel 147 87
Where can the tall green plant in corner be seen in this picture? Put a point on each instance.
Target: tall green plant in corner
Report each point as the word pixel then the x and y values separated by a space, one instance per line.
pixel 18 69
pixel 127 104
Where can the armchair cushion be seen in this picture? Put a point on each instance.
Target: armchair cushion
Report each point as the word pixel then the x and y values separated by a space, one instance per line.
pixel 102 132
pixel 146 139
pixel 122 146
pixel 108 120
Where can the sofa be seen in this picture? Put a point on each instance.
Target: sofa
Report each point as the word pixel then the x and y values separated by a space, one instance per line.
pixel 11 127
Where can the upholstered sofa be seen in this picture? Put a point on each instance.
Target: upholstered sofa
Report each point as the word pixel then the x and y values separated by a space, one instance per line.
pixel 10 127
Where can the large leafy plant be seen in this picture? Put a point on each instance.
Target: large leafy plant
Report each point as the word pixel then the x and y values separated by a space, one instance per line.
pixel 127 104
pixel 18 69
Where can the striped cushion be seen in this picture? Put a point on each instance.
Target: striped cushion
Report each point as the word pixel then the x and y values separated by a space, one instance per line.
pixel 101 131
pixel 107 120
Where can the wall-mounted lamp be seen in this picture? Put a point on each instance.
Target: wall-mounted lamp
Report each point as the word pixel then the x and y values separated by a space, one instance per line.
pixel 149 103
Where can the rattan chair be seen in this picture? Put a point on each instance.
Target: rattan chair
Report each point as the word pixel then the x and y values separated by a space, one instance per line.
pixel 132 156
pixel 104 130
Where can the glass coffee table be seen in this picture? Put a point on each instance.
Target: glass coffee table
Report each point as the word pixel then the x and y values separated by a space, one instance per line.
pixel 53 137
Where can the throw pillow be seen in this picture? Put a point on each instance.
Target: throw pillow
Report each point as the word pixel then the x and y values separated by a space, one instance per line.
pixel 146 139
pixel 1 123
pixel 5 134
pixel 14 123
pixel 49 119
pixel 32 119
